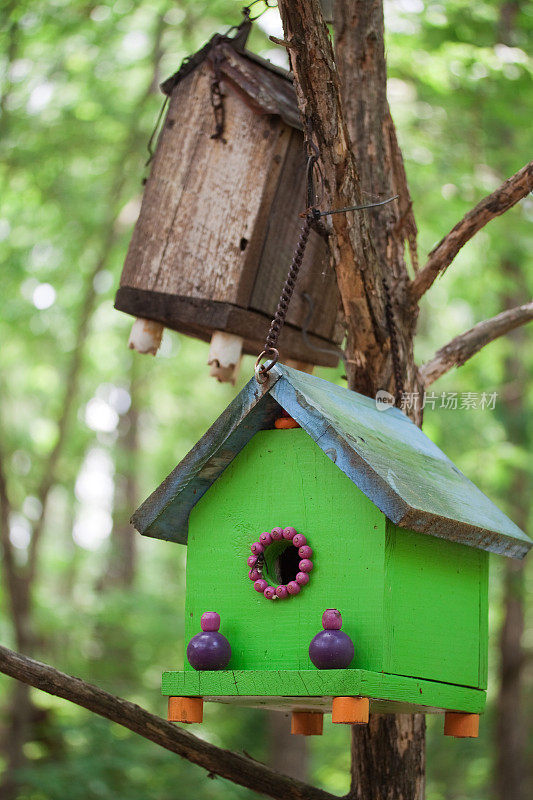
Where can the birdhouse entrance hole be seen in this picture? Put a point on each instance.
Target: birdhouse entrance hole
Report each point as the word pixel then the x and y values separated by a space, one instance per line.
pixel 281 563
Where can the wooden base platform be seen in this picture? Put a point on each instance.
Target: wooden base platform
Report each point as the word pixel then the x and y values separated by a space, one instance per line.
pixel 314 690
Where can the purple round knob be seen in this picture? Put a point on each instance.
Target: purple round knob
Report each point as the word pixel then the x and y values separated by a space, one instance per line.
pixel 269 592
pixel 265 539
pixel 252 561
pixel 254 574
pixel 331 620
pixel 209 650
pixel 302 578
pixel 299 540
pixel 331 649
pixel 293 587
pixel 257 548
pixel 305 551
pixel 210 621
pixel 281 591
pixel 305 565
pixel 289 533
pixel 276 534
pixel 260 585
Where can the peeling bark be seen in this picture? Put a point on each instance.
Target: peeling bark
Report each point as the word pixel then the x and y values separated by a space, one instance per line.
pixel 360 271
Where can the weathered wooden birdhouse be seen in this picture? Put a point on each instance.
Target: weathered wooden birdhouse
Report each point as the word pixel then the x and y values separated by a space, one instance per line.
pixel 219 218
pixel 304 500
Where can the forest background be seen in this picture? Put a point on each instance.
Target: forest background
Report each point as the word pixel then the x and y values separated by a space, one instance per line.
pixel 88 429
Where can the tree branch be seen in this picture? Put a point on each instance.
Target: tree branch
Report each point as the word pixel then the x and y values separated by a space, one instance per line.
pixel 463 347
pixel 505 197
pixel 242 770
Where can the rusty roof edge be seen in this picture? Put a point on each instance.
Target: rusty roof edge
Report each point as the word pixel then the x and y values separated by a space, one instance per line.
pixel 148 519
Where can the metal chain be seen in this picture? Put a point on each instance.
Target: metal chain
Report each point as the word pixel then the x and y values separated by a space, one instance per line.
pixel 389 316
pixel 270 349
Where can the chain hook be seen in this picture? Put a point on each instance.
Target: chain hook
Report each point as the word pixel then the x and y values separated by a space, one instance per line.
pixel 261 370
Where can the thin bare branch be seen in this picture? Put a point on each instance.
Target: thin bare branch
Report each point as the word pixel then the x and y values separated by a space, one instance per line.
pixel 463 347
pixel 505 197
pixel 240 769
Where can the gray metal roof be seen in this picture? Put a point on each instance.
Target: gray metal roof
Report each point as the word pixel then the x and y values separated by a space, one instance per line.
pixel 391 461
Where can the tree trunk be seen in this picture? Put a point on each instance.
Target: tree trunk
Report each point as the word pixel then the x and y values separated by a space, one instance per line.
pixel 286 753
pixel 511 733
pixel 122 558
pixel 388 755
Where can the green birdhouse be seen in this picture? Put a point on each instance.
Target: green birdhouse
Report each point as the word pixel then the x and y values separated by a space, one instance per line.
pixel 303 503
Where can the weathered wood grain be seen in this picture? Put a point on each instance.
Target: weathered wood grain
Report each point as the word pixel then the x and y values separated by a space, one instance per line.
pixel 219 220
pixel 317 276
pixel 198 317
pixel 203 199
pixel 314 689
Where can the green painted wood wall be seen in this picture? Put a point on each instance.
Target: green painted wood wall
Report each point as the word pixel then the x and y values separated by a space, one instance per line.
pixel 283 478
pixel 435 608
pixel 414 605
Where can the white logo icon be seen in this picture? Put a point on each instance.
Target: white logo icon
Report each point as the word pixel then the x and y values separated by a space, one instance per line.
pixel 384 400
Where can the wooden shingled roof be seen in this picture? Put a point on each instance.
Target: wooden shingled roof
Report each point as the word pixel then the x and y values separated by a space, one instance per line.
pixel 266 88
pixel 391 461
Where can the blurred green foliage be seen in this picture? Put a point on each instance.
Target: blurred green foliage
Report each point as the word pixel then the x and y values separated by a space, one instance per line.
pixel 79 99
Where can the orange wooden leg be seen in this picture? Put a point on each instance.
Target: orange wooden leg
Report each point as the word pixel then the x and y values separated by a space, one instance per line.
pixel 350 710
pixel 185 709
pixel 460 725
pixel 307 723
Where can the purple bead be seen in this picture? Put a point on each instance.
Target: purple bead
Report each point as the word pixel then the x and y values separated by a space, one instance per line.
pixel 299 540
pixel 281 591
pixel 289 533
pixel 331 620
pixel 302 578
pixel 305 551
pixel 331 650
pixel 269 592
pixel 254 574
pixel 257 548
pixel 260 585
pixel 265 539
pixel 209 650
pixel 252 561
pixel 305 565
pixel 276 534
pixel 210 621
pixel 293 587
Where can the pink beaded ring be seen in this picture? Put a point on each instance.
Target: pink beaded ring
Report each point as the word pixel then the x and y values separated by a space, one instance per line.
pixel 256 561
